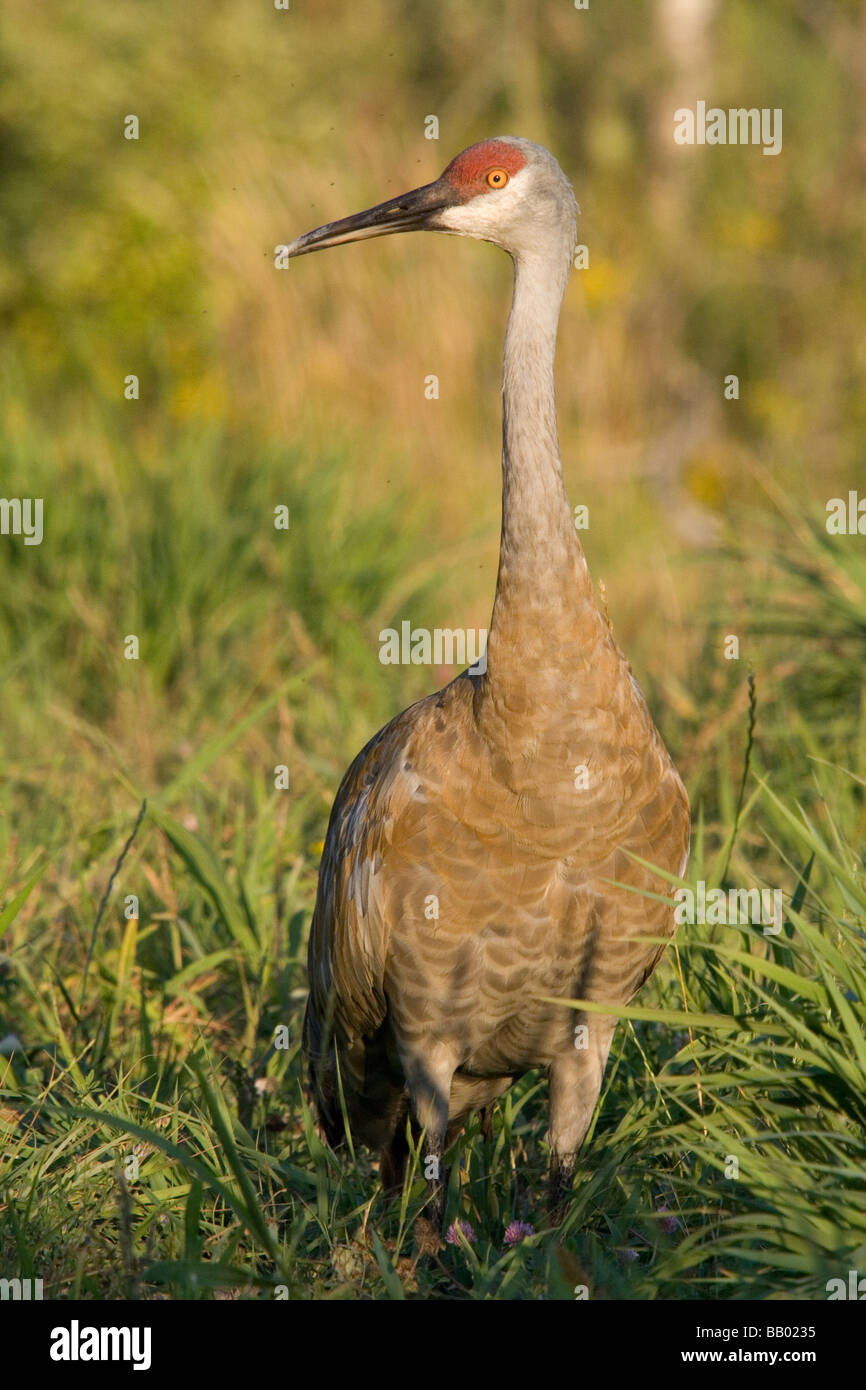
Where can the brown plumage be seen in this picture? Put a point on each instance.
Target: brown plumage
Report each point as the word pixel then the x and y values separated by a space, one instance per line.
pixel 466 875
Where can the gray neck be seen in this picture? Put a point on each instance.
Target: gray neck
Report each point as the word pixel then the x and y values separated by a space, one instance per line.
pixel 542 572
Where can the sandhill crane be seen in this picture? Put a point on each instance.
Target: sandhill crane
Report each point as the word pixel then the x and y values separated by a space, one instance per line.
pixel 511 800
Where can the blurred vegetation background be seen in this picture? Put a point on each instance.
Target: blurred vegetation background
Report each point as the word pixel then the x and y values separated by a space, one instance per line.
pixel 305 387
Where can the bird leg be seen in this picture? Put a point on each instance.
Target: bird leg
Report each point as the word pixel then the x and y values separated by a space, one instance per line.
pixel 429 1082
pixel 392 1160
pixel 575 1084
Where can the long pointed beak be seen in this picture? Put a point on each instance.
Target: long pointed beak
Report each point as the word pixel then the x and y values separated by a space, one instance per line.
pixel 411 212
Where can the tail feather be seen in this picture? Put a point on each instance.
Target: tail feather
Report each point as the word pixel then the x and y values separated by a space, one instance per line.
pixel 374 1098
pixel 323 1086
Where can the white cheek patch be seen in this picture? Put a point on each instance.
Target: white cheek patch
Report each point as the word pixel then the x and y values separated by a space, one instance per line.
pixel 487 214
pixel 466 218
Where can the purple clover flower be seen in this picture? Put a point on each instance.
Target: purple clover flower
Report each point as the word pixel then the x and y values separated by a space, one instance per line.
pixel 458 1228
pixel 668 1221
pixel 518 1231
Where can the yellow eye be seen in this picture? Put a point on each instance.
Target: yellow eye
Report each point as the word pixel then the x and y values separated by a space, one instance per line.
pixel 497 178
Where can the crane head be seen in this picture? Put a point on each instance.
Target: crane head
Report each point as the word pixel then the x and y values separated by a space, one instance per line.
pixel 508 191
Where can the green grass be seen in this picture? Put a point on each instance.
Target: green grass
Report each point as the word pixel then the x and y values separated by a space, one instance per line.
pixel 153 1134
pixel 150 1118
